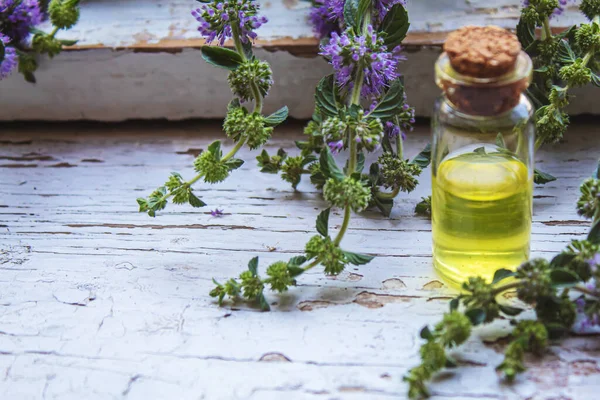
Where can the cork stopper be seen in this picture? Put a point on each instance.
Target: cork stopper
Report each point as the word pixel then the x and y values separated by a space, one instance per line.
pixel 482 51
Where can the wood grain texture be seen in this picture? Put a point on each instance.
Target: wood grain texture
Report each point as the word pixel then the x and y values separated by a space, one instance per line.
pixel 101 302
pixel 140 59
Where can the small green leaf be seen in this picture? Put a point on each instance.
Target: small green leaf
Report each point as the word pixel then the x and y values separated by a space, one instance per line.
pixel 526 34
pixel 502 274
pixel 357 259
pixel 500 141
pixel 234 163
pixel 215 148
pixel 541 178
pixel 596 79
pixel 325 96
pixel 29 77
pixel 565 53
pixel 253 266
pixel 391 102
pixel 562 260
pixel 262 302
pixel 246 46
pixel 511 311
pixel 423 207
pixel 277 117
pixel 360 164
pixel 66 42
pixel 423 159
pixel 454 303
pixel 594 235
pixel 450 363
pixel 298 260
pixel 295 271
pixel 351 15
pixel 395 24
pixel 476 316
pixel 384 205
pixel 334 170
pixel 195 201
pixel 426 333
pixel 221 57
pixel 480 151
pixel 323 222
pixel 561 276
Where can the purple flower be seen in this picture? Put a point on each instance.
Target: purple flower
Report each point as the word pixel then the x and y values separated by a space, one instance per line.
pixel 218 20
pixel 561 7
pixel 9 62
pixel 347 53
pixel 320 17
pixel 20 17
pixel 336 147
pixel 594 262
pixel 393 130
pixel 216 212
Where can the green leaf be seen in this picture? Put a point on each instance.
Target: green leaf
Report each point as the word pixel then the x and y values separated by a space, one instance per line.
pixel 561 276
pixel 295 271
pixel 391 102
pixel 541 178
pixel 277 117
pixel 424 207
pixel 594 235
pixel 596 79
pixel 502 274
pixel 480 151
pixel 450 363
pixel 562 260
pixel 500 141
pixel 325 96
pixel 363 8
pixel 66 42
pixel 246 46
pixel 357 259
pixel 262 302
pixel 195 200
pixel 234 163
pixel 360 164
pixel 323 222
pixel 253 266
pixel 511 311
pixel 476 316
pixel 351 15
pixel 526 34
pixel 221 57
pixel 334 170
pixel 298 260
pixel 384 205
pixel 215 148
pixel 426 333
pixel 423 158
pixel 29 77
pixel 454 303
pixel 565 53
pixel 395 24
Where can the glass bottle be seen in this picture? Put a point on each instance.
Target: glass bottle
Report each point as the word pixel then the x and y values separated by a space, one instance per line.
pixel 482 165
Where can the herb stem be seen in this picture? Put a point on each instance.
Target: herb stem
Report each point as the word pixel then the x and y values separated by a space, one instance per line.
pixel 391 195
pixel 311 265
pixel 233 151
pixel 54 32
pixel 547 32
pixel 235 31
pixel 584 290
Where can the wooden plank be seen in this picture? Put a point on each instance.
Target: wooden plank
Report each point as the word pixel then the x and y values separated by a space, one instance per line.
pixel 100 301
pixel 139 59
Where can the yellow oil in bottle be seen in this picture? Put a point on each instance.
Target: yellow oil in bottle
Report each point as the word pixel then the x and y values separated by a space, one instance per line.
pixel 481 213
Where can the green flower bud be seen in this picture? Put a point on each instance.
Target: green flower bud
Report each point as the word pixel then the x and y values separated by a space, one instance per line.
pixel 576 74
pixel 327 253
pixel 551 123
pixel 238 123
pixel 559 97
pixel 64 13
pixel 369 133
pixel 398 173
pixel 587 37
pixel 292 170
pixel 416 379
pixel 334 129
pixel 27 63
pixel 433 356
pixel 589 201
pixel 251 284
pixel 279 277
pixel 45 44
pixel 231 289
pixel 241 79
pixel 538 10
pixel 316 176
pixel 513 361
pixel 233 125
pixel 536 280
pixel 534 334
pixel 211 167
pixel 482 296
pixel 347 192
pixel 547 49
pixel 590 8
pixel 454 329
pixel 584 251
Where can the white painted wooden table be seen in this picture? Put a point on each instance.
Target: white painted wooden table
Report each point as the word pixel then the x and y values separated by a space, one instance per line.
pixel 100 302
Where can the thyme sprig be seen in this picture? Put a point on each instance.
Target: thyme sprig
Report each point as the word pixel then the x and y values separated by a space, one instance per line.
pixel 359 56
pixel 250 80
pixel 555 289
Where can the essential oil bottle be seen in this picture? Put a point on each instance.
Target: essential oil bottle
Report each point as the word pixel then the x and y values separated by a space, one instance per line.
pixel 482 157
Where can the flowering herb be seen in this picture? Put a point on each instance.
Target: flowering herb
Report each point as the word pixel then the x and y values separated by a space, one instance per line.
pixel 216 213
pixel 250 80
pixel 360 108
pixel 562 61
pixel 556 289
pixel 18 19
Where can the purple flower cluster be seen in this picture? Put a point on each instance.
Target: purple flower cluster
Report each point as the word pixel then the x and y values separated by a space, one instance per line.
pixel 9 62
pixel 219 19
pixel 349 54
pixel 327 16
pixel 336 146
pixel 20 17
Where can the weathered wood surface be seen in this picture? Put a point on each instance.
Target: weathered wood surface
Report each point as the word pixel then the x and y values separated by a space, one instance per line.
pixel 141 59
pixel 101 302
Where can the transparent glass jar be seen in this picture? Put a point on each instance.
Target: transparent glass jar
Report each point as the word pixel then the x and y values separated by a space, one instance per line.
pixel 482 166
